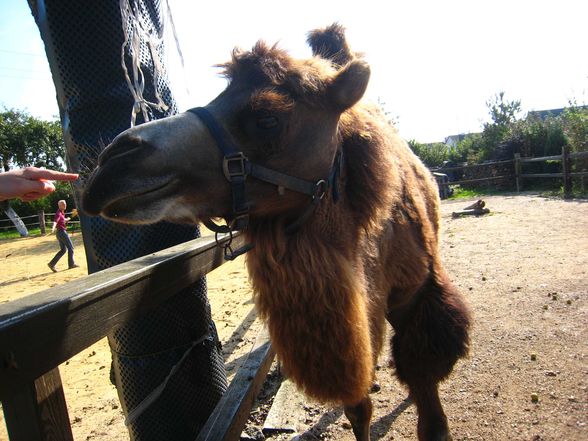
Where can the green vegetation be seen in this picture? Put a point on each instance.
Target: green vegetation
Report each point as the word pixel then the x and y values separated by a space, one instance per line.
pixel 536 135
pixel 470 193
pixel 35 232
pixel 505 134
pixel 546 190
pixel 558 192
pixel 13 234
pixel 25 140
pixel 28 141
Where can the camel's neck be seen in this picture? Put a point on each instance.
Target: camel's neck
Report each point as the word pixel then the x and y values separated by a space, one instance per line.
pixel 312 296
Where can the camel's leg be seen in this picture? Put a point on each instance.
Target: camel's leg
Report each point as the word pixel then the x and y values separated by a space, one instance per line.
pixel 360 415
pixel 431 334
pixel 432 423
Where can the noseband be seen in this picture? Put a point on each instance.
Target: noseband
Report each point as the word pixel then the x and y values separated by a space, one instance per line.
pixel 237 168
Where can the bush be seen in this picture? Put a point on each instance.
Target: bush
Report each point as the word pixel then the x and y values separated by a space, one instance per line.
pixel 432 155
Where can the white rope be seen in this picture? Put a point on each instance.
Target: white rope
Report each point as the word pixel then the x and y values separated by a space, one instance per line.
pixel 178 48
pixel 135 30
pixel 156 393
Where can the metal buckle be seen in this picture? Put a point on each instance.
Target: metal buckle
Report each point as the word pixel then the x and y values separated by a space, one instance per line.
pixel 239 222
pixel 320 189
pixel 235 165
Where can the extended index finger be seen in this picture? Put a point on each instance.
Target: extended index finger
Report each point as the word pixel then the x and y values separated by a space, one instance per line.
pixel 38 173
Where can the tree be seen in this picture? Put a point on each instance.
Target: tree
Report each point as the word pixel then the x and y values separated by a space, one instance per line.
pixel 502 111
pixel 25 141
pixel 432 155
pixel 503 114
pixel 575 126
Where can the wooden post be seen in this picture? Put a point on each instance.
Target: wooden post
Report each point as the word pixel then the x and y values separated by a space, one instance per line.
pixel 38 412
pixel 42 221
pixel 517 167
pixel 566 171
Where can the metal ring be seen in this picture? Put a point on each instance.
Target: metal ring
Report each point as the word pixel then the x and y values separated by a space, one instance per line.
pixel 320 189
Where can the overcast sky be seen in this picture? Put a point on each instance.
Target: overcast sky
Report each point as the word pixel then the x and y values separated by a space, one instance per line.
pixel 434 63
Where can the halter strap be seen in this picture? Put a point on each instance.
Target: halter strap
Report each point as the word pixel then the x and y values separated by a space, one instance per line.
pixel 237 167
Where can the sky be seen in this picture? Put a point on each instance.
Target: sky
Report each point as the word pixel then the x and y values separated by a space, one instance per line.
pixel 434 63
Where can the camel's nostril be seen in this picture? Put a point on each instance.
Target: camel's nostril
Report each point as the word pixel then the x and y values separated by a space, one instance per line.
pixel 120 147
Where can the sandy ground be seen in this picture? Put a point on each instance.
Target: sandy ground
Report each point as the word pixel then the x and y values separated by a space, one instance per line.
pixel 524 271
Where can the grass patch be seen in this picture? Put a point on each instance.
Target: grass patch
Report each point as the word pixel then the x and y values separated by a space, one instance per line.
pixel 469 193
pixel 13 234
pixel 577 193
pixel 541 190
pixel 33 232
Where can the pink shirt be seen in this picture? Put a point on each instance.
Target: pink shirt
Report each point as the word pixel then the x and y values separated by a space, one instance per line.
pixel 60 220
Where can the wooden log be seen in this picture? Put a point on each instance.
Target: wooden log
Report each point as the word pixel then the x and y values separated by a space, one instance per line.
pixel 475 212
pixel 478 205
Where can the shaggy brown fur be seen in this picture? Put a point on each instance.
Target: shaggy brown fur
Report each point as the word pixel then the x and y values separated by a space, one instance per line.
pixel 329 43
pixel 367 256
pixel 374 251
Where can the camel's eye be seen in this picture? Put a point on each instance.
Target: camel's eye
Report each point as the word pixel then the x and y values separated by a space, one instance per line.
pixel 267 122
pixel 261 128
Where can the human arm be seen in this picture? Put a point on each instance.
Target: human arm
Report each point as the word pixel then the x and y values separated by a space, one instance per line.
pixel 30 183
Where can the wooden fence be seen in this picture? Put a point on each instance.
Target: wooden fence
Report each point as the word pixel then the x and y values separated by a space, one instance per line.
pixel 498 171
pixel 41 331
pixel 41 220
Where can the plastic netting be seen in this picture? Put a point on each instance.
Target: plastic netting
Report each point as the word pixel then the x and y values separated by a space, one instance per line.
pixel 87 44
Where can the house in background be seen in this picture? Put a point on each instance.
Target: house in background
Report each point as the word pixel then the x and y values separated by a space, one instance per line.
pixel 544 114
pixel 453 140
pixel 550 113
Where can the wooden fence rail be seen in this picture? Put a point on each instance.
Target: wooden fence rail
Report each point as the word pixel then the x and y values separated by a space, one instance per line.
pixel 41 331
pixel 518 175
pixel 566 173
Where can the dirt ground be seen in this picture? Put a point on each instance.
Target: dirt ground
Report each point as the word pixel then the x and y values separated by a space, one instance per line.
pixel 524 271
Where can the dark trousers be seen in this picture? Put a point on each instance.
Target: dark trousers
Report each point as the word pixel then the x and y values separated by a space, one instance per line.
pixel 64 244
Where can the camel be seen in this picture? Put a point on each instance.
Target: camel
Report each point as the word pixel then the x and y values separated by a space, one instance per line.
pixel 341 218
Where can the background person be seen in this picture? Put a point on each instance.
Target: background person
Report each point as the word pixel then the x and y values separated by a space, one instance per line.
pixel 65 243
pixel 30 183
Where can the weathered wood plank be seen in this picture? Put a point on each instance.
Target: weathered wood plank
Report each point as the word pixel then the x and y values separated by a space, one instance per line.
pixel 468 181
pixel 40 331
pixel 38 412
pixel 541 175
pixel 578 155
pixel 287 410
pixel 542 159
pixel 230 415
pixel 466 167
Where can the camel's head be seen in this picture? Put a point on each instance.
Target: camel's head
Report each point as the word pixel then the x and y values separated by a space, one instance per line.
pixel 281 113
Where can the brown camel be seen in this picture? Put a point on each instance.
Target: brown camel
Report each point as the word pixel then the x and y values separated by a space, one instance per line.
pixel 342 219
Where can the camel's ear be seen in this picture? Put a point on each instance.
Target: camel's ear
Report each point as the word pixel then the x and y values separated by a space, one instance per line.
pixel 349 85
